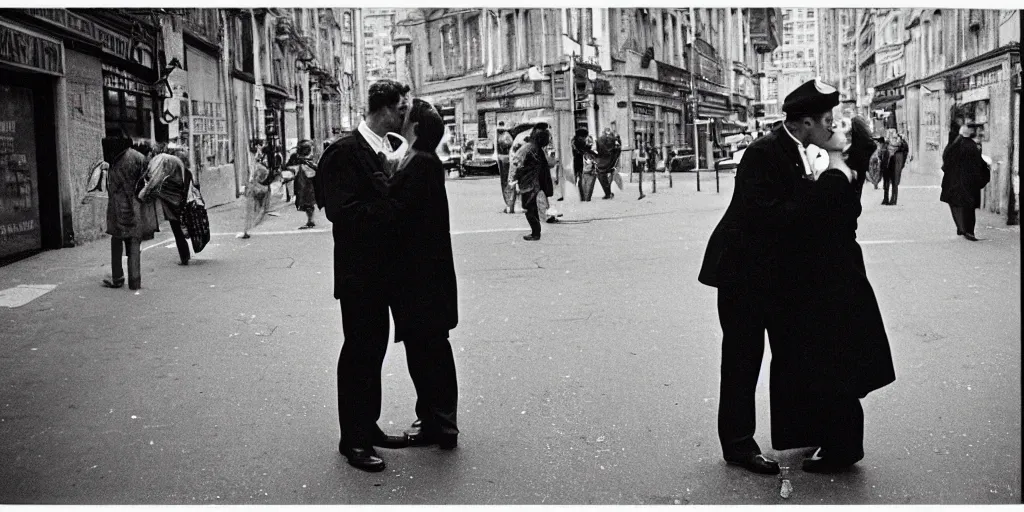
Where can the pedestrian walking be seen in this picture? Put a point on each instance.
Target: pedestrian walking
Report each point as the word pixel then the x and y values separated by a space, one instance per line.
pixel 533 177
pixel 129 219
pixel 582 148
pixel 899 150
pixel 879 162
pixel 748 258
pixel 257 190
pixel 609 149
pixel 964 174
pixel 838 351
pixel 351 185
pixel 169 178
pixel 425 297
pixel 503 146
pixel 301 164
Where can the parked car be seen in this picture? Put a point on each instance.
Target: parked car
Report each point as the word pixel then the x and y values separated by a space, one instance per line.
pixel 482 160
pixel 732 162
pixel 682 159
pixel 451 160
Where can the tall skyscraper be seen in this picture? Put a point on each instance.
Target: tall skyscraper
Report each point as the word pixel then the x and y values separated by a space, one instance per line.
pixel 380 55
pixel 795 61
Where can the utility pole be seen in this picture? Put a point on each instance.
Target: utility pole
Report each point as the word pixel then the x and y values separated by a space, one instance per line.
pixel 360 64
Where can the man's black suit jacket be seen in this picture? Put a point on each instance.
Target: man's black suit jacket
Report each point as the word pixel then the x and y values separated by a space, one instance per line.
pixel 763 220
pixel 352 187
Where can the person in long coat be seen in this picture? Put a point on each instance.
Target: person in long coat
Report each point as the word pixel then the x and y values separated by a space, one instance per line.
pixel 129 219
pixel 168 184
pixel 351 185
pixel 879 162
pixel 424 295
pixel 899 152
pixel 533 177
pixel 749 255
pixel 837 351
pixel 964 174
pixel 301 162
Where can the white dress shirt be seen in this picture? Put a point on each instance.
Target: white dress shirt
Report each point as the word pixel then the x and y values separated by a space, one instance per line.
pixel 800 149
pixel 376 142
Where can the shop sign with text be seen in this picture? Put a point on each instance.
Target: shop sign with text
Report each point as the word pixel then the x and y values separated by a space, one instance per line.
pixel 25 49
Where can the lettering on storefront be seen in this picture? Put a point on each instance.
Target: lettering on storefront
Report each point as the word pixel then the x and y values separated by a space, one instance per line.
pixel 645 88
pixel 640 109
pixel 24 49
pixel 714 101
pixel 959 83
pixel 676 76
pixel 111 42
pixel 17 227
pixel 513 88
pixel 117 78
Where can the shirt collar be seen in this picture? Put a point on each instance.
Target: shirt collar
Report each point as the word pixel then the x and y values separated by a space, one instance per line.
pixel 798 143
pixel 376 142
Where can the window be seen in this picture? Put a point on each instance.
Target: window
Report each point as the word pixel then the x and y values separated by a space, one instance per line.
pixel 810 14
pixel 810 53
pixel 450 47
pixel 531 24
pixel 241 50
pixel 476 59
pixel 129 111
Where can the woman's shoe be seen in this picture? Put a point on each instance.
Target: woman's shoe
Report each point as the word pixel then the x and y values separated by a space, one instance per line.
pixel 821 463
pixel 531 238
pixel 113 283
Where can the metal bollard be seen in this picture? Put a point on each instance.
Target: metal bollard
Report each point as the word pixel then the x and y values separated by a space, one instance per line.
pixel 717 188
pixel 697 168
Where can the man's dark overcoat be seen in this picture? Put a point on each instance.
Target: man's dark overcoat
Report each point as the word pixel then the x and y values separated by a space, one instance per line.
pixel 757 230
pixel 425 297
pixel 352 187
pixel 964 174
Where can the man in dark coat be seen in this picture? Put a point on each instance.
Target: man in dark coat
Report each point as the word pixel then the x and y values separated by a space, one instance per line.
pixel 129 220
pixel 964 174
pixel 425 298
pixel 533 176
pixel 899 152
pixel 747 258
pixel 351 186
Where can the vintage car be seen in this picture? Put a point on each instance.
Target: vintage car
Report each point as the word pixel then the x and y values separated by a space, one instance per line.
pixel 451 160
pixel 483 159
pixel 682 158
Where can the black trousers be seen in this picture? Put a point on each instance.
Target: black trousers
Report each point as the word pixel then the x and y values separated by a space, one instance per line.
pixel 432 368
pixel 891 179
pixel 746 311
pixel 180 241
pixel 605 178
pixel 132 246
pixel 532 215
pixel 964 218
pixel 365 324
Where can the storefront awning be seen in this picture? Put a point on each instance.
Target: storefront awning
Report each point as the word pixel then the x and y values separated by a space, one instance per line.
pixel 885 102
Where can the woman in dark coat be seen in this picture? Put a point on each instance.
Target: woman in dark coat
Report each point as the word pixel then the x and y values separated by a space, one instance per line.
pixel 129 220
pixel 302 164
pixel 424 297
pixel 839 351
pixel 964 174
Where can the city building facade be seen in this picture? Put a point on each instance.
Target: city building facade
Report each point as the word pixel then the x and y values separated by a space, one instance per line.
pixel 794 62
pixel 647 74
pixel 218 82
pixel 379 52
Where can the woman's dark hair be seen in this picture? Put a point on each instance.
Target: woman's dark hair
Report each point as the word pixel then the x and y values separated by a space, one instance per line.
pixel 541 137
pixel 582 132
pixel 430 129
pixel 858 157
pixel 385 93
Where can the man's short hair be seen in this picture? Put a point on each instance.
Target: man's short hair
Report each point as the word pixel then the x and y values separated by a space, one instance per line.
pixel 385 93
pixel 430 129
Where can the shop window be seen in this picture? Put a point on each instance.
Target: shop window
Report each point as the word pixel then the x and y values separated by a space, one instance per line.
pixel 129 111
pixel 209 134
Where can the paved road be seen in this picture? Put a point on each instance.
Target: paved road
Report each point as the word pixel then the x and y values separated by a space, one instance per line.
pixel 215 383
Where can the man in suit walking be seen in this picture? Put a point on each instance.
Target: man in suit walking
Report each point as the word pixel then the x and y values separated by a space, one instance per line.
pixel 746 260
pixel 351 184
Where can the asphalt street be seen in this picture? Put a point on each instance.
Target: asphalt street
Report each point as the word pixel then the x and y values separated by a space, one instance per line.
pixel 588 366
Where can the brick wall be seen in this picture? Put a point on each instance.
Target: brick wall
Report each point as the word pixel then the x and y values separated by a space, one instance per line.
pixel 85 131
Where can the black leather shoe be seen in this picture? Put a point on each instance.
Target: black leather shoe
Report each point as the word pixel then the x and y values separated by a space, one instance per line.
pixel 959 233
pixel 971 237
pixel 419 436
pixel 755 463
pixel 531 238
pixel 553 220
pixel 365 459
pixel 818 463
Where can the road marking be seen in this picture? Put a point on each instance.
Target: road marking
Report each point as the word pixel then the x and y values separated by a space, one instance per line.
pixel 883 242
pixel 920 186
pixel 497 230
pixel 23 294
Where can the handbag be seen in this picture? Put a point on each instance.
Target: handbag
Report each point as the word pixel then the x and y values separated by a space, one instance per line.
pixel 194 217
